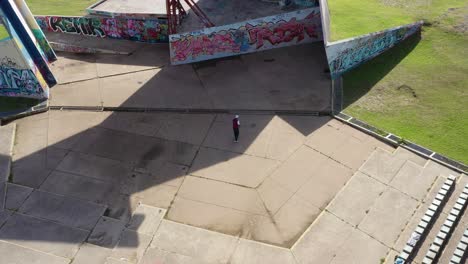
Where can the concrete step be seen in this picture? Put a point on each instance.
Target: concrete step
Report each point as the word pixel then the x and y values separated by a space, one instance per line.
pixel 62 209
pixel 446 230
pixel 41 235
pixel 385 166
pixel 406 154
pixel 457 249
pixel 427 220
pixel 116 241
pixel 7 139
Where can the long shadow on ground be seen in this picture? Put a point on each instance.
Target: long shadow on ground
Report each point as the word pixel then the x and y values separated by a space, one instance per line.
pixel 83 165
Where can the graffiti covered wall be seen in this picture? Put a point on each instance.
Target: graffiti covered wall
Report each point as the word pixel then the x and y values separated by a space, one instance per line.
pixel 283 30
pixel 151 30
pixel 16 77
pixel 346 54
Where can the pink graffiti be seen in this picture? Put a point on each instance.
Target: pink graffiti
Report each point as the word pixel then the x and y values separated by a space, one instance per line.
pixel 151 30
pixel 282 31
pixel 246 38
pixel 204 45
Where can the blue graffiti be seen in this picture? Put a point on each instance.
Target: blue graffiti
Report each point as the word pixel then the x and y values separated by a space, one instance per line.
pixel 359 50
pixel 18 82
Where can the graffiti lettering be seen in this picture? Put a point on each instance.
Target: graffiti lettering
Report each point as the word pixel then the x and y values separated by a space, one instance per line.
pixel 282 32
pixel 18 81
pixel 344 56
pixel 153 31
pixel 8 62
pixel 80 25
pixel 270 32
pixel 205 45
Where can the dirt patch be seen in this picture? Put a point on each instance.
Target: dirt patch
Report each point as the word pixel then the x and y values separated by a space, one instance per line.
pixel 407 89
pixel 406 3
pixel 392 94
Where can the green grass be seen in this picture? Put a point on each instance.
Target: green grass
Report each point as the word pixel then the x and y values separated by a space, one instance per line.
pixel 415 90
pixel 3 32
pixel 60 7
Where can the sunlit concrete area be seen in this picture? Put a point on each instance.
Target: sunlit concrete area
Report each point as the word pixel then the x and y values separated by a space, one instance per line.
pixel 122 187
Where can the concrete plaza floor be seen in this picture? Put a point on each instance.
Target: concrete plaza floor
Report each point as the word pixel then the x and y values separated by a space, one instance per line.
pixel 282 79
pixel 114 187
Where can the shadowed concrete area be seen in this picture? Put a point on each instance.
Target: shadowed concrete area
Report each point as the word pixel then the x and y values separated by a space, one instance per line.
pixel 103 187
pixel 283 79
pixel 260 188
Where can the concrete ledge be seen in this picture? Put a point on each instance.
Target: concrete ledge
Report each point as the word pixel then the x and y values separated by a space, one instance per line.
pixel 7 139
pixel 193 110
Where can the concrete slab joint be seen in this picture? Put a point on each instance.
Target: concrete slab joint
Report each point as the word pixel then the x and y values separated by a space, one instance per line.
pixel 7 138
pixel 140 187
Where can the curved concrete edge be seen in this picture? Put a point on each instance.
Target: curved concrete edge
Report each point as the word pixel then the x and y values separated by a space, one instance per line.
pixel 399 141
pixel 7 140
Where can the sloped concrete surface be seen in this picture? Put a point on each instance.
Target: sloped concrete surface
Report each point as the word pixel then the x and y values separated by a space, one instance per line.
pixel 174 188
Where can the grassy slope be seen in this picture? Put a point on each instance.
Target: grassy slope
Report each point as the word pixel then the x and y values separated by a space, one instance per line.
pixel 3 32
pixel 60 7
pixel 424 97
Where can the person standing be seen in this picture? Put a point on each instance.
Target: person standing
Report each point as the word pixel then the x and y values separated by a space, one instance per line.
pixel 235 127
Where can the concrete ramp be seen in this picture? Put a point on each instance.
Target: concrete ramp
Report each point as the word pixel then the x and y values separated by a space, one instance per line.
pixel 299 27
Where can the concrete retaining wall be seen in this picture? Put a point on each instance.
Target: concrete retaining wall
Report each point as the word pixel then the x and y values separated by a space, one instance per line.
pixel 347 54
pixel 144 30
pixel 303 26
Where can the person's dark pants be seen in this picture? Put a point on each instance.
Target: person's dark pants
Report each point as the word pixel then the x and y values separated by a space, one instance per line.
pixel 236 133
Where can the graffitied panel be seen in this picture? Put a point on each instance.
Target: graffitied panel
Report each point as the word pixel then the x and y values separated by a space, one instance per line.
pixel 346 54
pixel 41 40
pixel 25 40
pixel 16 78
pixel 151 30
pixel 283 30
